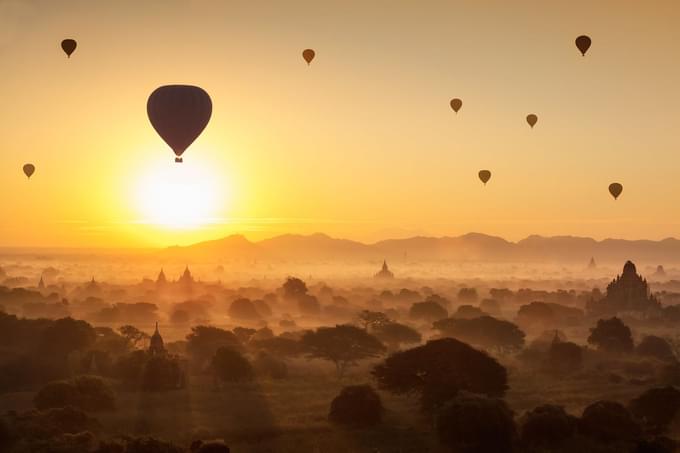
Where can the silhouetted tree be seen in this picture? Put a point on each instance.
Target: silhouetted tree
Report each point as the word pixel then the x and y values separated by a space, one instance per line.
pixel 308 305
pixel 656 408
pixel 608 421
pixel 438 370
pixel 547 427
pixel 611 335
pixel 230 366
pixel 204 341
pixel 66 335
pixel 280 346
pixel 133 335
pixel 344 345
pixel 161 373
pixel 293 288
pixel 243 334
pixel 89 393
pixel 270 366
pixel 476 424
pixel 487 332
pixel 468 312
pixel 427 311
pixel 356 406
pixel 243 309
pixel 467 295
pixel 372 319
pixel 564 357
pixel 394 335
pixel 653 346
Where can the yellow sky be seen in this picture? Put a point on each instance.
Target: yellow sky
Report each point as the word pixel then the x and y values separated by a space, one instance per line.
pixel 362 143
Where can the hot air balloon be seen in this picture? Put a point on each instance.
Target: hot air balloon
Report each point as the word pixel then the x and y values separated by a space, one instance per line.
pixel 456 104
pixel 583 43
pixel 29 169
pixel 484 175
pixel 308 55
pixel 179 113
pixel 69 45
pixel 531 119
pixel 615 189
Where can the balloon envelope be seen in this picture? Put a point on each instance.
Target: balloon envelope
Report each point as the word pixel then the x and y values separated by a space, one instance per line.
pixel 583 43
pixel 179 113
pixel 308 55
pixel 615 189
pixel 29 169
pixel 69 45
pixel 456 104
pixel 484 175
pixel 532 119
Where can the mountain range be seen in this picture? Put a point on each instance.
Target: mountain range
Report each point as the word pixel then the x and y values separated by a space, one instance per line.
pixel 468 247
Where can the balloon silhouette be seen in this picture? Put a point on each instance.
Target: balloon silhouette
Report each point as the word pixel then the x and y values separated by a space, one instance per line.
pixel 456 104
pixel 531 119
pixel 179 113
pixel 583 43
pixel 29 169
pixel 484 175
pixel 615 189
pixel 308 55
pixel 69 45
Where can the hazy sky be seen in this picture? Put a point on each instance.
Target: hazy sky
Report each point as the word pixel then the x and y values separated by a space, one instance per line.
pixel 362 143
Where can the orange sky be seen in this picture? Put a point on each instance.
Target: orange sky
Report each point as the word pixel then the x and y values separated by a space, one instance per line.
pixel 361 144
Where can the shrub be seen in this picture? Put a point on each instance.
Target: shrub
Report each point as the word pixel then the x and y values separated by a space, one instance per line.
pixel 547 427
pixel 357 406
pixel 476 424
pixel 608 421
pixel 230 366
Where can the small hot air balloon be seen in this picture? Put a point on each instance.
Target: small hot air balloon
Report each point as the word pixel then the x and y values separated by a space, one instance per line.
pixel 531 119
pixel 484 176
pixel 615 189
pixel 179 113
pixel 456 104
pixel 69 45
pixel 583 43
pixel 308 55
pixel 29 169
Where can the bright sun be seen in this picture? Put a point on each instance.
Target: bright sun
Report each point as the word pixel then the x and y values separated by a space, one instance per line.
pixel 181 196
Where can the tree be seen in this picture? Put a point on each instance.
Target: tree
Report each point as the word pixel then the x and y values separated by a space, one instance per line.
pixel 66 335
pixel 547 427
pixel 657 407
pixel 486 332
pixel 468 312
pixel 467 295
pixel 564 357
pixel 293 288
pixel 204 341
pixel 653 346
pixel 344 345
pixel 611 335
pixel 608 421
pixel 476 424
pixel 308 305
pixel 133 335
pixel 394 335
pixel 427 311
pixel 372 319
pixel 270 366
pixel 243 309
pixel 356 406
pixel 230 366
pixel 243 334
pixel 280 346
pixel 162 373
pixel 438 370
pixel 89 393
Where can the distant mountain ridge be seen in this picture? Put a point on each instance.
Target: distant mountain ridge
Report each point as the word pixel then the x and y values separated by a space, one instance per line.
pixel 468 247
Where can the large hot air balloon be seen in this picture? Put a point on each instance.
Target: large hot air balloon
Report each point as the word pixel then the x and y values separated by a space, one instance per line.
pixel 308 55
pixel 69 45
pixel 179 113
pixel 531 119
pixel 583 43
pixel 29 169
pixel 615 189
pixel 484 175
pixel 456 104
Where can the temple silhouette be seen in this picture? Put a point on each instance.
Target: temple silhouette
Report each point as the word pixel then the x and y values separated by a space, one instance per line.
pixel 385 272
pixel 628 292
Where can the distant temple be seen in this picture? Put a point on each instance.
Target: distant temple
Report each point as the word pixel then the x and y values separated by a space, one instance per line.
pixel 41 283
pixel 628 292
pixel 592 264
pixel 384 272
pixel 660 271
pixel 156 346
pixel 161 280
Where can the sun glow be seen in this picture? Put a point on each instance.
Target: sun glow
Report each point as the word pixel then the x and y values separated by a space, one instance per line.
pixel 179 196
